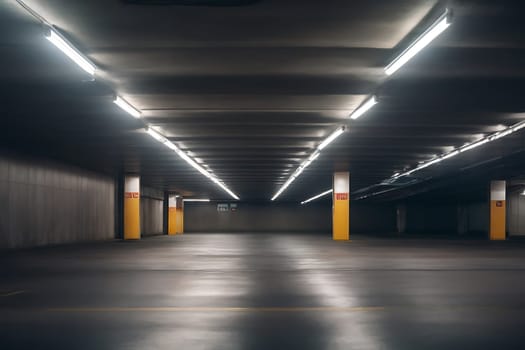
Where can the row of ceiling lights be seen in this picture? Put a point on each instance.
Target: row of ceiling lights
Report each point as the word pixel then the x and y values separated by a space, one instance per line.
pixel 464 148
pixel 356 114
pixel 57 39
pixel 442 23
pixel 431 33
pixel 422 41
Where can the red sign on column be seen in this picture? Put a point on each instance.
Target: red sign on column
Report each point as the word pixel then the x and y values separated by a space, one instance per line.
pixel 341 196
pixel 131 195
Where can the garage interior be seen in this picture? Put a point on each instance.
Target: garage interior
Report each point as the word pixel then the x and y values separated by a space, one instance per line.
pixel 254 174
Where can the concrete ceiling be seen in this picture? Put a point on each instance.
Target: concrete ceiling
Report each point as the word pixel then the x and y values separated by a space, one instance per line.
pixel 251 90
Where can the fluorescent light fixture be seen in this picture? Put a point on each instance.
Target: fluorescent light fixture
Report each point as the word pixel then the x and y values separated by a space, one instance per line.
pixel 308 161
pixel 466 147
pixel 195 200
pixel 314 156
pixel 119 101
pixel 331 138
pixel 171 146
pixel 501 134
pixel 65 46
pixel 371 102
pixel 523 193
pixel 194 164
pixel 474 144
pixel 284 187
pixel 438 27
pixel 298 172
pixel 223 186
pixel 518 126
pixel 156 135
pixel 317 196
pixel 450 155
pixel 162 139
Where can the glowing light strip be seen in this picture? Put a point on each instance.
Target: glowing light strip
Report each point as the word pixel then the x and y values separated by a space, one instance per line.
pixel 195 200
pixel 438 27
pixel 70 51
pixel 162 139
pixel 464 148
pixel 119 101
pixel 75 55
pixel 317 196
pixel 331 138
pixel 308 161
pixel 371 102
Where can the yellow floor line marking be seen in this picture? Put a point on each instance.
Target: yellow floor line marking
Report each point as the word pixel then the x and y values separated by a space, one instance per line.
pixel 218 309
pixel 10 294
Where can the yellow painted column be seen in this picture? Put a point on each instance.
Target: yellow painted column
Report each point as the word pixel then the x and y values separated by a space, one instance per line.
pixel 497 210
pixel 172 214
pixel 179 215
pixel 341 207
pixel 132 207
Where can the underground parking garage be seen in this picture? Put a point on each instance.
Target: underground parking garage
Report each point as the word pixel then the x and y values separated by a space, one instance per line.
pixel 261 174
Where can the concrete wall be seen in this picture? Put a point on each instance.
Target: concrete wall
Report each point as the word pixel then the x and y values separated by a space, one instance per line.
pixel 431 218
pixel 372 218
pixel 284 217
pixel 42 202
pixel 279 217
pixel 516 214
pixel 151 211
pixel 478 218
pixel 443 218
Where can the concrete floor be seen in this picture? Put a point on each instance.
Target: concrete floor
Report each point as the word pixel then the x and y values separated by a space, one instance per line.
pixel 287 291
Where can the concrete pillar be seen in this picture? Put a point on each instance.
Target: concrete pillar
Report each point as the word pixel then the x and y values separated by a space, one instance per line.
pixel 401 215
pixel 341 206
pixel 131 207
pixel 498 191
pixel 172 214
